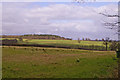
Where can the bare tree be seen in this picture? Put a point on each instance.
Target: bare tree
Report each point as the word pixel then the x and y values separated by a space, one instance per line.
pixel 78 40
pixel 102 39
pixel 115 25
pixel 21 39
pixel 83 39
pixel 111 25
pixel 106 42
pixel 96 39
pixel 82 1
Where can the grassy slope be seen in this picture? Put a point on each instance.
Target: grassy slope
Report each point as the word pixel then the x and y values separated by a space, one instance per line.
pixel 57 63
pixel 60 42
pixel 65 42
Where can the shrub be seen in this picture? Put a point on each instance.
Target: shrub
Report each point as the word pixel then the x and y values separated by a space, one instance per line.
pixel 6 41
pixel 114 45
pixel 20 39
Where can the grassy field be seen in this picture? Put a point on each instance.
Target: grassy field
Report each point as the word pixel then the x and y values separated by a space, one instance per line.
pixel 73 44
pixel 59 42
pixel 97 45
pixel 34 62
pixel 66 42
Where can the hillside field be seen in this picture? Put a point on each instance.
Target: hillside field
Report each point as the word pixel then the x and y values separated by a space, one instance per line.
pixel 59 42
pixel 67 42
pixel 36 62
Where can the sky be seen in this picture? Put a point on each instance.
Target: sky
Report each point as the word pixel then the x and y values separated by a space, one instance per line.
pixel 67 19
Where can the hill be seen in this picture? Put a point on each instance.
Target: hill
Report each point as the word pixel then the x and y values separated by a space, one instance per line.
pixel 36 36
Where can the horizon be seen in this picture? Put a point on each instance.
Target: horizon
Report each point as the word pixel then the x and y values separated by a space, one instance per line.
pixel 81 38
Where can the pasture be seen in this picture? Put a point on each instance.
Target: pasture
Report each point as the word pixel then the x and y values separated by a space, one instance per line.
pixel 65 42
pixel 73 44
pixel 59 42
pixel 36 62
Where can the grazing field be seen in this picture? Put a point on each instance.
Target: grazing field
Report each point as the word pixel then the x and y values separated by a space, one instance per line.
pixel 87 45
pixel 73 44
pixel 34 62
pixel 66 42
pixel 59 42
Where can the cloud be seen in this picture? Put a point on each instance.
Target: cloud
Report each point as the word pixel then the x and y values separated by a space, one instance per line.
pixel 59 0
pixel 21 18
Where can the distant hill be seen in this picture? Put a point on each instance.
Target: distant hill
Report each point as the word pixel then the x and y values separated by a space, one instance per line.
pixel 36 36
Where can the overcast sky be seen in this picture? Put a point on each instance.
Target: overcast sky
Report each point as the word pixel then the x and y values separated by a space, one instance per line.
pixel 68 19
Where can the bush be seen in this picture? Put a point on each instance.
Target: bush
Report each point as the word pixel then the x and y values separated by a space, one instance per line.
pixel 114 45
pixel 118 46
pixel 6 41
pixel 21 39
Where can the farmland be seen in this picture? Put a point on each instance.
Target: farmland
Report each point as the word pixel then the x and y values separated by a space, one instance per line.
pixel 73 44
pixel 65 42
pixel 62 42
pixel 79 60
pixel 39 62
pixel 71 39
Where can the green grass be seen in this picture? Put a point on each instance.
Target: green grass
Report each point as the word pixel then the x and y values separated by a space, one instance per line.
pixel 98 45
pixel 33 62
pixel 59 42
pixel 11 38
pixel 67 42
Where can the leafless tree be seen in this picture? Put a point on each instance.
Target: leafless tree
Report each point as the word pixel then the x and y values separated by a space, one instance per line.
pixel 78 40
pixel 115 25
pixel 82 1
pixel 106 42
pixel 110 25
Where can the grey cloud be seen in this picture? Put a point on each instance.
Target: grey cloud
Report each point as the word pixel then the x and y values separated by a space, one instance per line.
pixel 20 18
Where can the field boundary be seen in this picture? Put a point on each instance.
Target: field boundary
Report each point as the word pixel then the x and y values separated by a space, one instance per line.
pixel 51 46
